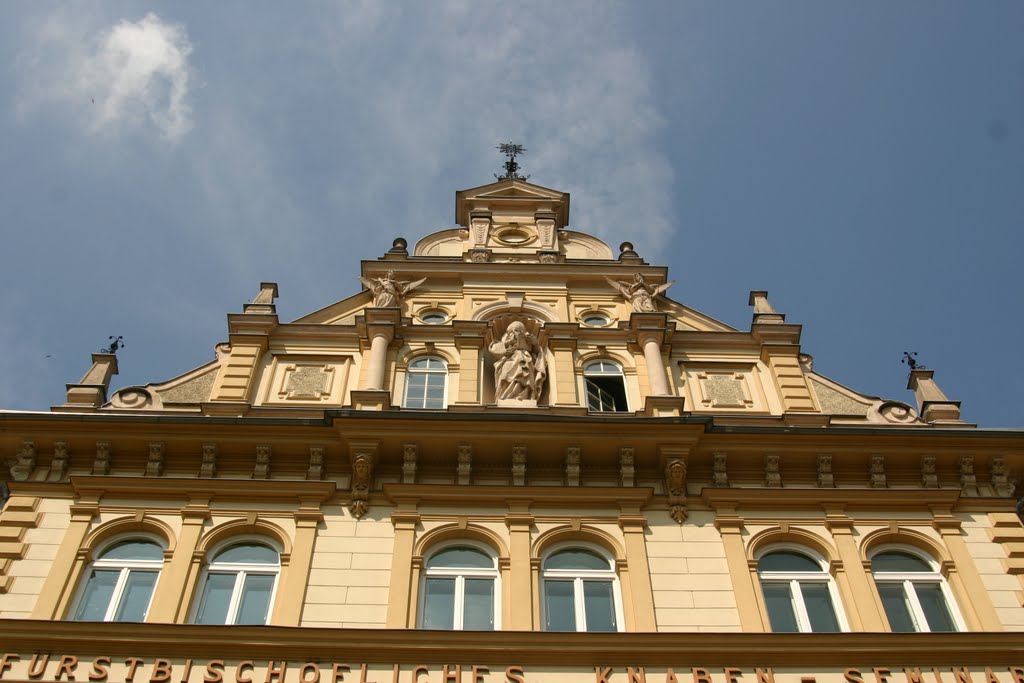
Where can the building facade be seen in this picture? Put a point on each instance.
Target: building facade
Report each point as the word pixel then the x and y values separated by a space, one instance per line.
pixel 510 458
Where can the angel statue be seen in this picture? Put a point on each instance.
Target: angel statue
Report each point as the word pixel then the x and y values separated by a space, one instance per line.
pixel 387 291
pixel 519 365
pixel 640 294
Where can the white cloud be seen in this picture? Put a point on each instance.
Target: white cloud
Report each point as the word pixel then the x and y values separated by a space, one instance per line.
pixel 134 75
pixel 451 80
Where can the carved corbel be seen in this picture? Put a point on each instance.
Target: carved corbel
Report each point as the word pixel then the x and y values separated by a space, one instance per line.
pixel 465 466
pixel 968 480
pixel 675 485
pixel 101 465
pixel 25 461
pixel 772 471
pixel 262 469
pixel 315 470
pixel 61 458
pixel 155 462
pixel 519 465
pixel 720 473
pixel 362 456
pixel 825 478
pixel 208 468
pixel 627 470
pixel 877 472
pixel 929 475
pixel 409 454
pixel 572 465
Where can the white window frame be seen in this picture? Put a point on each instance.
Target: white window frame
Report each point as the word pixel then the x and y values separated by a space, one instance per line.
pixel 409 371
pixel 125 568
pixel 460 574
pixel 620 374
pixel 794 579
pixel 578 577
pixel 906 580
pixel 240 570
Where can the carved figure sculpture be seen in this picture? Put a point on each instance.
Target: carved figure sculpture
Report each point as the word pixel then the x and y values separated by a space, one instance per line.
pixel 519 365
pixel 640 294
pixel 387 291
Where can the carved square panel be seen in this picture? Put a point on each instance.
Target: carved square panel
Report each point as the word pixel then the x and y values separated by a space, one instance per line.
pixel 719 386
pixel 297 379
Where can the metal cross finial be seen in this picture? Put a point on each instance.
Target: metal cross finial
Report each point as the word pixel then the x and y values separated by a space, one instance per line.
pixel 115 344
pixel 910 359
pixel 510 149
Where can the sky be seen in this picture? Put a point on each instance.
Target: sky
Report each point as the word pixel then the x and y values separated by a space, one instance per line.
pixel 863 162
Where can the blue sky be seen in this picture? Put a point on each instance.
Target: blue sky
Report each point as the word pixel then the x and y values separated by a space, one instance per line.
pixel 863 162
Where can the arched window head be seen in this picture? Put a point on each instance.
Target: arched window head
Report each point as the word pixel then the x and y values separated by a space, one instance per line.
pixel 913 592
pixel 459 589
pixel 239 585
pixel 426 383
pixel 121 580
pixel 580 591
pixel 799 592
pixel 606 386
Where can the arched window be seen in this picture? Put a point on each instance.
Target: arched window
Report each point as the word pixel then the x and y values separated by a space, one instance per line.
pixel 606 386
pixel 425 383
pixel 580 591
pixel 798 592
pixel 121 581
pixel 239 585
pixel 913 592
pixel 459 589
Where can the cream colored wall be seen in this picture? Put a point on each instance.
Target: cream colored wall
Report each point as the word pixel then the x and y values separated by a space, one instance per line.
pixel 40 546
pixel 690 575
pixel 351 572
pixel 1004 590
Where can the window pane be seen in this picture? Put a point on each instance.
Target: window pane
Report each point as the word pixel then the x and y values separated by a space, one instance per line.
pixel 895 561
pixel 98 592
pixel 559 612
pixel 417 380
pixel 255 603
pixel 461 556
pixel 135 599
pixel 478 605
pixel 213 608
pixel 787 561
pixel 933 602
pixel 439 604
pixel 576 558
pixel 248 553
pixel 896 607
pixel 780 607
pixel 820 610
pixel 599 605
pixel 134 550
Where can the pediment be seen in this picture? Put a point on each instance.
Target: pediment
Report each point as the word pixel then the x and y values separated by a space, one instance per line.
pixel 512 196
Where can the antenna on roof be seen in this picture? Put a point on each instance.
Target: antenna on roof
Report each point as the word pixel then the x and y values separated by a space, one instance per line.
pixel 510 149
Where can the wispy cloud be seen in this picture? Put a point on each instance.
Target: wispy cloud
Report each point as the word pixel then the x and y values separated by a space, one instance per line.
pixel 134 75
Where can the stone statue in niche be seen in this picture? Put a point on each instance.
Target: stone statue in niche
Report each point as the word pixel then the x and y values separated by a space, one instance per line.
pixel 520 367
pixel 640 294
pixel 387 291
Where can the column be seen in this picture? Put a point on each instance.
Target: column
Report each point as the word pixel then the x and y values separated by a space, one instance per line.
pixel 519 522
pixel 378 359
pixel 67 565
pixel 405 520
pixel 633 525
pixel 174 578
pixel 655 365
pixel 730 526
pixel 295 578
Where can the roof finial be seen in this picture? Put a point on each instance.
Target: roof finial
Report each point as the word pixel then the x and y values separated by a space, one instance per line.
pixel 510 150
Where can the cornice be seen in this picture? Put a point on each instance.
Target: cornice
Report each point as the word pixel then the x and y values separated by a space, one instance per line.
pixel 276 490
pixel 525 648
pixel 501 496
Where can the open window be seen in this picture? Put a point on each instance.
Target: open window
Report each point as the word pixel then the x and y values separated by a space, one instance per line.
pixel 606 386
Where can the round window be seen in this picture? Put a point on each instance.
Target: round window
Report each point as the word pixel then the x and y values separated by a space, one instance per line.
pixel 434 317
pixel 595 319
pixel 514 237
